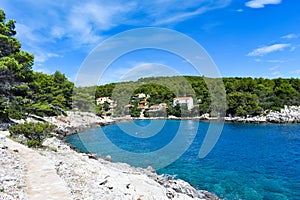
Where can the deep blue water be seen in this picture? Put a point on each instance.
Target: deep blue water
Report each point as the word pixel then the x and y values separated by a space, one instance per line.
pixel 249 161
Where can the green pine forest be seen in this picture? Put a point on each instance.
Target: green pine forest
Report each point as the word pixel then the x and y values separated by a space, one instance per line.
pixel 24 92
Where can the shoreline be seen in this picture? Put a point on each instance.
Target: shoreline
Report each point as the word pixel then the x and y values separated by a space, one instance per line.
pixel 287 115
pixel 83 176
pixel 77 121
pixel 89 176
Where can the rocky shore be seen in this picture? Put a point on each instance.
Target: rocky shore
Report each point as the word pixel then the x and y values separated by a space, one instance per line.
pixel 12 172
pixel 289 114
pixel 86 176
pixel 89 177
pixel 77 121
pixel 92 178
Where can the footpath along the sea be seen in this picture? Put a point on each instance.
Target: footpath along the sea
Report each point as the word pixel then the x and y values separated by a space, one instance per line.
pixel 58 172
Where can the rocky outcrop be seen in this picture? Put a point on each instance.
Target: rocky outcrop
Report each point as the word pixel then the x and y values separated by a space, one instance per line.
pixel 289 114
pixel 12 173
pixel 77 121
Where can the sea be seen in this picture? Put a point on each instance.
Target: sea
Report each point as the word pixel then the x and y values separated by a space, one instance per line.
pixel 241 161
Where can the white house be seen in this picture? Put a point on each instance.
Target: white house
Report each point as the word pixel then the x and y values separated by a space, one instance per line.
pixel 140 96
pixel 184 100
pixel 101 100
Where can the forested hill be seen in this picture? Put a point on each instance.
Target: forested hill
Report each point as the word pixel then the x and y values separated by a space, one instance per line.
pixel 23 91
pixel 245 96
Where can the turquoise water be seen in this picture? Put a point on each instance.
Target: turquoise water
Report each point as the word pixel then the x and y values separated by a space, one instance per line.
pixel 248 162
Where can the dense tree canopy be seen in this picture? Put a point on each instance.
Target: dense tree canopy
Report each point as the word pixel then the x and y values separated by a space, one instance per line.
pixel 23 91
pixel 244 96
pixel 15 68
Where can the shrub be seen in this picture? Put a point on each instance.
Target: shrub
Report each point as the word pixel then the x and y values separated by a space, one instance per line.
pixel 35 133
pixel 33 143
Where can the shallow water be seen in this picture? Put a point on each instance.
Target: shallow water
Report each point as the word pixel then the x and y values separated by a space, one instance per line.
pixel 249 161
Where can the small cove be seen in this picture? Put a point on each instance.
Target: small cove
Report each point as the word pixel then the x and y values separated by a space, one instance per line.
pixel 249 161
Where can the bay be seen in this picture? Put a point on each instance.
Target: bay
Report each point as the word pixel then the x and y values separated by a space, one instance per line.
pixel 249 161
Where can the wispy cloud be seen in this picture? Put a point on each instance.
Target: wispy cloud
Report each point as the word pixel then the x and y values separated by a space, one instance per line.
pixel 268 49
pixel 41 56
pixel 142 70
pixel 270 61
pixel 178 10
pixel 39 68
pixel 261 3
pixel 274 68
pixel 295 71
pixel 293 49
pixel 86 23
pixel 290 36
pixel 275 71
pixel 33 42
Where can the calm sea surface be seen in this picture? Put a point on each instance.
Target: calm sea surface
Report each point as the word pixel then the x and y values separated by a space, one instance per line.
pixel 248 162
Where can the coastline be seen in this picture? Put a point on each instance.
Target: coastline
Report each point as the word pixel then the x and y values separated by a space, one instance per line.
pixel 87 176
pixel 146 182
pixel 287 115
pixel 77 121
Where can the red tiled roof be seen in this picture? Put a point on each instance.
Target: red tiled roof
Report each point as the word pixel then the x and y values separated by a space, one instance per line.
pixel 128 106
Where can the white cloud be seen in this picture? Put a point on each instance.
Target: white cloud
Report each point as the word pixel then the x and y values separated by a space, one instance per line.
pixel 275 71
pixel 85 22
pixel 39 68
pixel 32 43
pixel 142 70
pixel 268 49
pixel 274 68
pixel 41 56
pixel 296 71
pixel 61 26
pixel 58 32
pixel 258 60
pixel 261 3
pixel 113 75
pixel 276 61
pixel 269 61
pixel 289 36
pixel 178 10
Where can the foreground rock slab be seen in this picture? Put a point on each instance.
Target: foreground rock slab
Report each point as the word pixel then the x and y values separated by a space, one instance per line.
pixel 91 178
pixel 41 179
pixel 58 172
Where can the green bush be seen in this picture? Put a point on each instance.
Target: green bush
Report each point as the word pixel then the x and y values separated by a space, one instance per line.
pixel 33 143
pixel 35 133
pixel 15 114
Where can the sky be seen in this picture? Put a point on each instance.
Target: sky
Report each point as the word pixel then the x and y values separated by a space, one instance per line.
pixel 244 38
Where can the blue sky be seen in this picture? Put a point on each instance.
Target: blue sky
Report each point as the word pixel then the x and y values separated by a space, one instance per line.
pixel 256 38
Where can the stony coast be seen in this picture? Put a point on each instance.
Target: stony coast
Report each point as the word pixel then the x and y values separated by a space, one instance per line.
pixel 289 114
pixel 81 176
